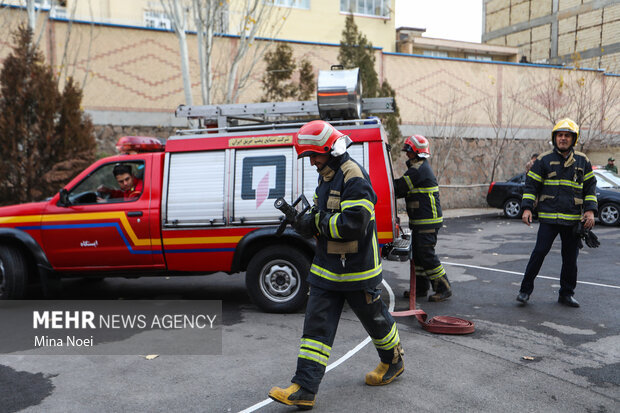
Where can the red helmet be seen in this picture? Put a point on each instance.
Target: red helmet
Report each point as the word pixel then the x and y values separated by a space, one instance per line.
pixel 417 144
pixel 317 136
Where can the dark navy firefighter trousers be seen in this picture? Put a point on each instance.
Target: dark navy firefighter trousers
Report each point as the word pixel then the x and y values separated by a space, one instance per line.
pixel 570 250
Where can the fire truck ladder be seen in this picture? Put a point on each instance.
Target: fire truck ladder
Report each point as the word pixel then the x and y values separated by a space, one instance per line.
pixel 272 114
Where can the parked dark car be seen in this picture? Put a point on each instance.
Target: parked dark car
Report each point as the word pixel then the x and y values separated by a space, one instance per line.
pixel 608 196
pixel 507 196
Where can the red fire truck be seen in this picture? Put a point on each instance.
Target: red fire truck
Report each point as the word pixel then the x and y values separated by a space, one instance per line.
pixel 206 203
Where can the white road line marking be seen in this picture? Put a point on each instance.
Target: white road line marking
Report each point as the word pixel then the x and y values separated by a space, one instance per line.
pixel 521 274
pixel 348 355
pixel 363 343
pixel 390 294
pixel 338 362
pixel 257 406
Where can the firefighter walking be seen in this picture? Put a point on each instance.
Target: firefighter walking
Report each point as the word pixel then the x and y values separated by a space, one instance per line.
pixel 346 266
pixel 421 192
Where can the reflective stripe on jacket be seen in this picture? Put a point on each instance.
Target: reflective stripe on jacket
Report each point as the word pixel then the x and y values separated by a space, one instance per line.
pixel 347 229
pixel 421 192
pixel 563 187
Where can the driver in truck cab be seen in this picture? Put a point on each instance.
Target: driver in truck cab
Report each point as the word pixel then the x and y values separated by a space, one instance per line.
pixel 130 186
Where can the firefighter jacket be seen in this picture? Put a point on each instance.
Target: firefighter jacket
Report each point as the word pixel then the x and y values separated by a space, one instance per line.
pixel 565 187
pixel 421 192
pixel 347 255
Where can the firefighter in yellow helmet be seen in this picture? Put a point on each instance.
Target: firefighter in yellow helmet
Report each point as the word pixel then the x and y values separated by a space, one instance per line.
pixel 565 185
pixel 346 266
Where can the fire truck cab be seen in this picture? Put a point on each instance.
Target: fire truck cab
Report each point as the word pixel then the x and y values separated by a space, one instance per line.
pixel 202 204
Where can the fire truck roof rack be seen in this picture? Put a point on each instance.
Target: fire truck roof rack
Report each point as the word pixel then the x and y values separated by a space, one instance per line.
pixel 270 114
pixel 339 97
pixel 267 126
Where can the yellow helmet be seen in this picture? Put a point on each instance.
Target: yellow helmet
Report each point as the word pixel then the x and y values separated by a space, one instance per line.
pixel 566 125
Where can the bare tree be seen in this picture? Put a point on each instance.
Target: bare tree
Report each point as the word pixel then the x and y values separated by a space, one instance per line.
pixel 582 91
pixel 72 45
pixel 589 98
pixel 178 11
pixel 451 123
pixel 610 108
pixel 593 103
pixel 33 13
pixel 211 20
pixel 255 19
pixel 547 92
pixel 7 22
pixel 71 51
pixel 505 118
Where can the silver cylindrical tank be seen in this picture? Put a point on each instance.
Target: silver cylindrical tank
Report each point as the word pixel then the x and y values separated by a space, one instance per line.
pixel 339 94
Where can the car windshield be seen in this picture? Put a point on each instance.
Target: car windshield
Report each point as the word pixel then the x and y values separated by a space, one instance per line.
pixel 518 178
pixel 606 179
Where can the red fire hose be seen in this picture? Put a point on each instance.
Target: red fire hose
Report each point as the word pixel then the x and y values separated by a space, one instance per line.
pixel 438 324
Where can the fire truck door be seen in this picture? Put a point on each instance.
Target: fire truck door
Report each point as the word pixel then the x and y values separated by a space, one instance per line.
pixel 105 227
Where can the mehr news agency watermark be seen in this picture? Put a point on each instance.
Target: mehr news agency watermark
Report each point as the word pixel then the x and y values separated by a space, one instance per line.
pixel 121 327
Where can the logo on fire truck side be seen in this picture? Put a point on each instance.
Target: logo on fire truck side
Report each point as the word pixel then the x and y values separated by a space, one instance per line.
pixel 256 177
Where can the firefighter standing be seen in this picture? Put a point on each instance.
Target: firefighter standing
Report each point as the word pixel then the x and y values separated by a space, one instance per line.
pixel 346 266
pixel 563 180
pixel 421 192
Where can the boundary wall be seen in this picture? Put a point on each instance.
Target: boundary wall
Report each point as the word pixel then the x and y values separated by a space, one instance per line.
pixel 476 114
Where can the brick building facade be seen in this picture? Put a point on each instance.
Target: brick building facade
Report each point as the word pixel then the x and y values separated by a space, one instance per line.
pixel 583 33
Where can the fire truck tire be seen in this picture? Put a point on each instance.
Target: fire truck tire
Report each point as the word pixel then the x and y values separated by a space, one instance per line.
pixel 13 273
pixel 276 279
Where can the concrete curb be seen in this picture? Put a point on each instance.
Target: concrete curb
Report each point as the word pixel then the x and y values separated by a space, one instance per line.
pixel 461 212
pixel 467 212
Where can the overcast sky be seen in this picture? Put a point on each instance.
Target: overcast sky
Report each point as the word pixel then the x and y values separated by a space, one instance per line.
pixel 444 19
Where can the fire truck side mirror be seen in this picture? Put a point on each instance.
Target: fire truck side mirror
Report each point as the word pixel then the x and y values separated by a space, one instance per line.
pixel 64 198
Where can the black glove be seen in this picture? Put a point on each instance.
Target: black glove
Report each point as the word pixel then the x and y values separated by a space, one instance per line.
pixel 586 235
pixel 591 239
pixel 305 226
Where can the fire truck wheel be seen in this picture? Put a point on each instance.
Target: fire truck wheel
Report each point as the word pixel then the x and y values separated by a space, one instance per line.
pixel 276 279
pixel 13 273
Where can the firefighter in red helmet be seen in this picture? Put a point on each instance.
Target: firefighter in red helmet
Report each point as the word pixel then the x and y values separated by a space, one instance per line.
pixel 421 192
pixel 346 266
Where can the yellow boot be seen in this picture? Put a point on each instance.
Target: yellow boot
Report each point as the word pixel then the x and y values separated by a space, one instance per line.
pixel 385 373
pixel 293 395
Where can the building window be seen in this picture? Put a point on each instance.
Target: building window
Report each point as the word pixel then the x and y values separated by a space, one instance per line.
pixel 42 4
pixel 59 13
pixel 479 57
pixel 435 53
pixel 297 4
pixel 157 20
pixel 380 8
